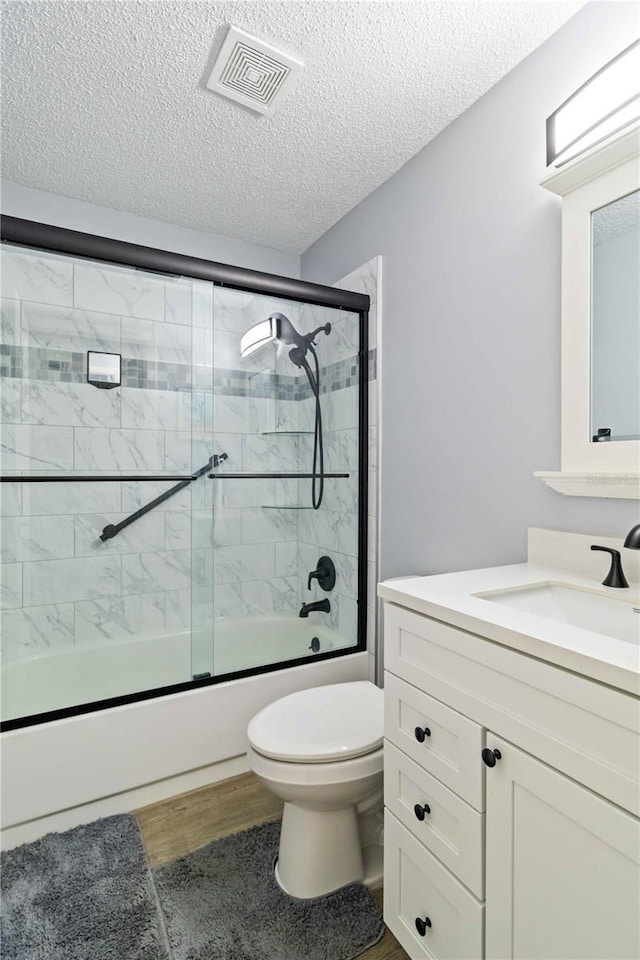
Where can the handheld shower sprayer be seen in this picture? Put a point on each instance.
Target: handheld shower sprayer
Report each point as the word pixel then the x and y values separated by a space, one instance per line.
pixel 279 328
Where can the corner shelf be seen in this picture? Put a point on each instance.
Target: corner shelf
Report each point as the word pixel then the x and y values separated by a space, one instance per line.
pixel 286 433
pixel 285 506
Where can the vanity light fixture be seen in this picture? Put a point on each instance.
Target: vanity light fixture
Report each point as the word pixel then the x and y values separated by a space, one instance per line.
pixel 603 106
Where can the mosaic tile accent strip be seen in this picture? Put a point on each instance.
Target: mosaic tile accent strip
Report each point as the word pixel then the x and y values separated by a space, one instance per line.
pixel 62 366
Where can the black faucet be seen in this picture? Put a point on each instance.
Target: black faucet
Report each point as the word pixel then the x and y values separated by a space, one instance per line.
pixel 615 577
pixel 322 606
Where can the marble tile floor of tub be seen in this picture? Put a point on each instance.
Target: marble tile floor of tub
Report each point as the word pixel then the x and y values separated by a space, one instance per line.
pixel 179 825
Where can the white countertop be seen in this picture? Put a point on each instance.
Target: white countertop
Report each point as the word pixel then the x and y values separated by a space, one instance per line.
pixel 449 597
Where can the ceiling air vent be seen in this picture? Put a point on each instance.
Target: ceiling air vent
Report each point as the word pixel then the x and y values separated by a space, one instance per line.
pixel 252 72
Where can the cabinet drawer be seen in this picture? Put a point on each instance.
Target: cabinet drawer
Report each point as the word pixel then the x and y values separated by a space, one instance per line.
pixel 450 828
pixel 451 750
pixel 416 885
pixel 585 729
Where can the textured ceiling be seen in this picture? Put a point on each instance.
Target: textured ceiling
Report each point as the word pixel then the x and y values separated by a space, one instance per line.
pixel 105 101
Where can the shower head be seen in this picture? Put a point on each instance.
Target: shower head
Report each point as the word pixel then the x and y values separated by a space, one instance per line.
pixel 278 327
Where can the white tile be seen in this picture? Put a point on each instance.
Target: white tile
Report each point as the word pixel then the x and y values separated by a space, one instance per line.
pixel 340 409
pixel 269 526
pixel 363 279
pixel 343 342
pixel 69 498
pixel 178 605
pixel 239 414
pixel 348 534
pixel 177 301
pixel 200 403
pixel 227 309
pixel 320 527
pixel 161 342
pixel 202 303
pixel 10 585
pixel 228 603
pixel 137 493
pixel 286 415
pixel 156 409
pixel 33 630
pixel 226 528
pixel 63 328
pixel 346 575
pixel 35 538
pixel 145 534
pixel 118 618
pixel 113 450
pixel 178 526
pixel 10 399
pixel 69 404
pixel 373 326
pixel 153 572
pixel 10 322
pixel 127 292
pixel 268 454
pixel 36 448
pixel 276 596
pixel 60 581
pixel 244 562
pixel 180 456
pixel 287 559
pixel 243 493
pixel 11 499
pixel 47 279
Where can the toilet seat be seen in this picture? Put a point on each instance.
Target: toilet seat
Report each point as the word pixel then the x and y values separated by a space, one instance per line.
pixel 321 725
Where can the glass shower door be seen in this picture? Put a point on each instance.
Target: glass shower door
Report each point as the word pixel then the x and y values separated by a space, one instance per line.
pixel 268 537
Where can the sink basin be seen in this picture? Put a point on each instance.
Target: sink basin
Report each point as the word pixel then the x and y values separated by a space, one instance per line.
pixel 613 617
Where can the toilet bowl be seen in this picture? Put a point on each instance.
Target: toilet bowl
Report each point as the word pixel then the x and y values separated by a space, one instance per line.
pixel 320 750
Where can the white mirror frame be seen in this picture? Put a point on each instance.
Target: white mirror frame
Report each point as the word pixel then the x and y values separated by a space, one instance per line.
pixel 611 468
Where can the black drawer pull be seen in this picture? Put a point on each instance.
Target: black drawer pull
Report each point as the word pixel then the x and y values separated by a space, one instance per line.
pixel 421 733
pixel 490 756
pixel 421 925
pixel 421 811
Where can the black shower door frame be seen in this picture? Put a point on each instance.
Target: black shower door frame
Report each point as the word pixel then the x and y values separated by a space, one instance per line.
pixel 44 236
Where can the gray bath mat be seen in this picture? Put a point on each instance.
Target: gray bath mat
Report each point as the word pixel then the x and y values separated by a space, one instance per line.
pixel 86 894
pixel 223 903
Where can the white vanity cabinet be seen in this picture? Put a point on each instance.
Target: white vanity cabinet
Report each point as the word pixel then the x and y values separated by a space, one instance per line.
pixel 511 801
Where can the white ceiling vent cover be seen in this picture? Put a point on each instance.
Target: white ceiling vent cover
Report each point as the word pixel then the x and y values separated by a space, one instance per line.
pixel 252 72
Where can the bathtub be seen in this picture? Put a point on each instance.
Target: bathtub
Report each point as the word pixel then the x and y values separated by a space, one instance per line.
pixel 64 772
pixel 89 672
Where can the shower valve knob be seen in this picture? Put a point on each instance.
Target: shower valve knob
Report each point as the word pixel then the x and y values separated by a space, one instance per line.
pixel 421 733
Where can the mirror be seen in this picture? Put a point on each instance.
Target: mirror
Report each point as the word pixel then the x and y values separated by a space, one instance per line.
pixel 600 342
pixel 615 320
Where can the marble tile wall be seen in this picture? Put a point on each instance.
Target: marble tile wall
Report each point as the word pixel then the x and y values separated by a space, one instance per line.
pixel 60 584
pixel 219 549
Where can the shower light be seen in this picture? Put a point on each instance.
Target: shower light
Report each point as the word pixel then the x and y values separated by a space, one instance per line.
pixel 278 327
pixel 607 103
pixel 259 335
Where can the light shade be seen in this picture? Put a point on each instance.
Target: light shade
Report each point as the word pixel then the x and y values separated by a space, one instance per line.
pixel 601 107
pixel 258 336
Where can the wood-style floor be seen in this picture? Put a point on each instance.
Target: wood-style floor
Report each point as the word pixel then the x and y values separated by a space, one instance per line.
pixel 180 825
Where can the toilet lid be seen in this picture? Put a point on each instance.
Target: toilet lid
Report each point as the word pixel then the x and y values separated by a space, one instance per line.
pixel 325 723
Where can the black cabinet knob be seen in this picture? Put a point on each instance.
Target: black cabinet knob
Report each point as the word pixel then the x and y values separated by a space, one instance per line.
pixel 490 756
pixel 421 811
pixel 421 733
pixel 421 925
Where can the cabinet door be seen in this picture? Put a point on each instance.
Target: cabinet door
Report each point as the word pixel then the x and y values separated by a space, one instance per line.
pixel 563 866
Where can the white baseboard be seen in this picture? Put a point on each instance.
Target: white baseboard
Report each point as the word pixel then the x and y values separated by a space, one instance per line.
pixel 124 802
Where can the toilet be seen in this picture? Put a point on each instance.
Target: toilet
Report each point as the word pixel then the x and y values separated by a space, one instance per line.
pixel 320 750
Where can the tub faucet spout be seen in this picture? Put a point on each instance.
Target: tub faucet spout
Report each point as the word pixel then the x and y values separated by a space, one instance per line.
pixel 322 606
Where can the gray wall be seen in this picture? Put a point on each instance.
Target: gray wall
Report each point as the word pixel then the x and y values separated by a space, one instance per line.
pixel 471 320
pixel 17 200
